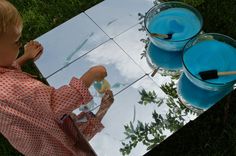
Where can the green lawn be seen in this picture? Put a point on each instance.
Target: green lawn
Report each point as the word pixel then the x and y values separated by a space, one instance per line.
pixel 211 134
pixel 39 17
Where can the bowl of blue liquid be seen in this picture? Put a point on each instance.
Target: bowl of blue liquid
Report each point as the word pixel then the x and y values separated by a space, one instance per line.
pixel 180 20
pixel 206 52
pixel 194 96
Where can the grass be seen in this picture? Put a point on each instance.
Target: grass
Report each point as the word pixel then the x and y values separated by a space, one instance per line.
pixel 213 133
pixel 39 17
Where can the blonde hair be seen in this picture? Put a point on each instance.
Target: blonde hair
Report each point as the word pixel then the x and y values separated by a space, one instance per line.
pixel 9 16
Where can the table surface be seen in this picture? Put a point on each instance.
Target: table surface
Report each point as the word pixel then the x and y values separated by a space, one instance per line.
pixel 108 34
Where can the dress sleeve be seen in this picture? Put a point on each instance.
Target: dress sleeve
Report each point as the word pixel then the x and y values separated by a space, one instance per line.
pixel 67 98
pixel 16 66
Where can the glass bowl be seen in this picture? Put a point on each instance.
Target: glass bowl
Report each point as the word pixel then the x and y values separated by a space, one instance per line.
pixel 210 51
pixel 177 18
pixel 196 97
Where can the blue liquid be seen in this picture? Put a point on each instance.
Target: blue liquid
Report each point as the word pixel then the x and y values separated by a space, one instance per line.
pixel 97 85
pixel 180 22
pixel 164 59
pixel 211 54
pixel 197 96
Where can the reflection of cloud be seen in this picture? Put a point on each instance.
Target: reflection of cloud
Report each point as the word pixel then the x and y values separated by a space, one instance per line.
pixel 102 144
pixel 110 54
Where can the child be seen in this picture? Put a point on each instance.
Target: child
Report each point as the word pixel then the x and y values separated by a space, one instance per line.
pixel 31 112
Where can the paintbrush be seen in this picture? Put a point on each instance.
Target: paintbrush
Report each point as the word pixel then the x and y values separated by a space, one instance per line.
pixel 214 74
pixel 163 36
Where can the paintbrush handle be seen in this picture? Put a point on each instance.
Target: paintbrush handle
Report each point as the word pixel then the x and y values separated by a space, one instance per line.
pixel 226 73
pixel 159 35
pixel 154 72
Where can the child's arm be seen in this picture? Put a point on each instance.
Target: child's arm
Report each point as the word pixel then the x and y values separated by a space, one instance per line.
pixel 32 51
pixel 67 98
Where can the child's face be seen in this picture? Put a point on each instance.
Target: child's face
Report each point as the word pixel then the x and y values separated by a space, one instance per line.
pixel 9 46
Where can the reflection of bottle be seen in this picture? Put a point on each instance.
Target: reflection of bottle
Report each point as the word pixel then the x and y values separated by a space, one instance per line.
pixel 101 86
pixel 86 108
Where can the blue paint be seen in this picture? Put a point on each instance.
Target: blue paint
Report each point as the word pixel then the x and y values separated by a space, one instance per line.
pixel 118 85
pixel 208 55
pixel 68 58
pixel 181 22
pixel 164 59
pixel 98 85
pixel 109 23
pixel 198 97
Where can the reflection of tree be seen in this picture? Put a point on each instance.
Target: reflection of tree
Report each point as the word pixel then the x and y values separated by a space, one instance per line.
pixel 151 133
pixel 149 97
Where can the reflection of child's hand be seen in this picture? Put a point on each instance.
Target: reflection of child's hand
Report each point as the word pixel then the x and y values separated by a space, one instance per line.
pixel 108 98
pixel 106 102
pixel 33 50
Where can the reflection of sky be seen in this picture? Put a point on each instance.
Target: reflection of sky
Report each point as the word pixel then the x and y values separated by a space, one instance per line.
pixel 114 57
pixel 114 17
pixel 130 42
pixel 120 67
pixel 114 122
pixel 60 42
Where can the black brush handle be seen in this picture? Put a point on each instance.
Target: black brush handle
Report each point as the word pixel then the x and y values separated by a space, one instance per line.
pixel 209 74
pixel 213 74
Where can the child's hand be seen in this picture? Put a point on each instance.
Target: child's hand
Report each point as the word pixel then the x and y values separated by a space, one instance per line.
pixel 33 50
pixel 98 72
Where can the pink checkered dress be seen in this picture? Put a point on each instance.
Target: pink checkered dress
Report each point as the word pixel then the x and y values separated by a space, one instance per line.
pixel 31 115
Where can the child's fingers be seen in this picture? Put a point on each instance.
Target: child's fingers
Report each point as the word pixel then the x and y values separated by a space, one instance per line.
pixel 109 95
pixel 108 92
pixel 37 56
pixel 40 52
pixel 32 43
pixel 37 43
pixel 28 44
